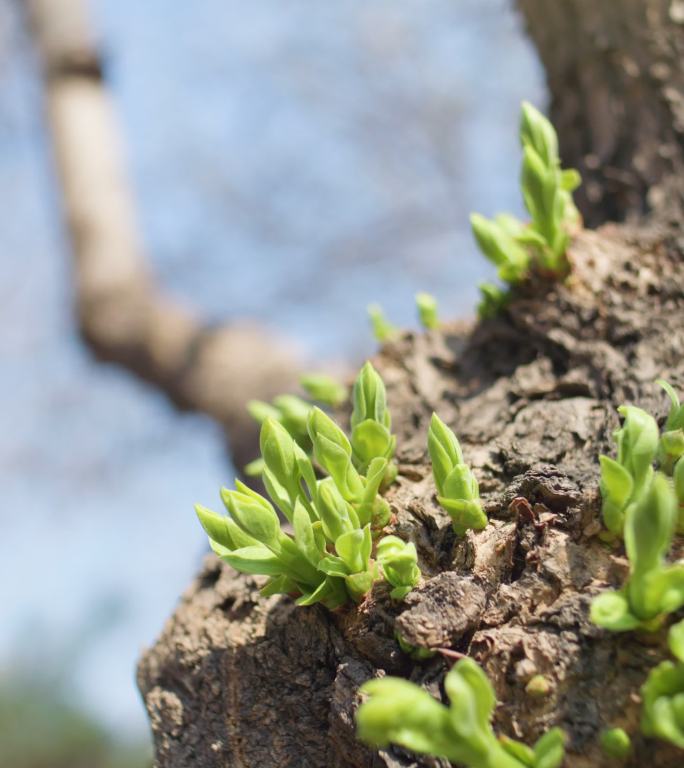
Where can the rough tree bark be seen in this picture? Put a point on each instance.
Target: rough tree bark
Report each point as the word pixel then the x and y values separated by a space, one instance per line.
pixel 123 315
pixel 236 680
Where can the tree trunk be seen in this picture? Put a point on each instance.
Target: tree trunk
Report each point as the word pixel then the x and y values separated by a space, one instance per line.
pixel 237 680
pixel 615 71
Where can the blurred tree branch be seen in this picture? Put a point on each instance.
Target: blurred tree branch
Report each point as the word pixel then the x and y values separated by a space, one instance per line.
pixel 123 315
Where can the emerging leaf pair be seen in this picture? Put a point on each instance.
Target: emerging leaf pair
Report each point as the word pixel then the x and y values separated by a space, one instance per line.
pixel 400 712
pixel 663 694
pixel 457 488
pixel 514 247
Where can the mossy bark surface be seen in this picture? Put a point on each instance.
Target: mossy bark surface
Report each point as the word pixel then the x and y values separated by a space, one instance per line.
pixel 241 681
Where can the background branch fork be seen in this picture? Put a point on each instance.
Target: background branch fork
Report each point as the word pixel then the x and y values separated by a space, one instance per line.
pixel 123 315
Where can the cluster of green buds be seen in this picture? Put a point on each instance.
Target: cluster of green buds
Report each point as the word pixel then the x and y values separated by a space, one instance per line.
pixel 457 489
pixel 514 247
pixel 625 479
pixel 653 588
pixel 402 713
pixel 329 559
pixel 663 694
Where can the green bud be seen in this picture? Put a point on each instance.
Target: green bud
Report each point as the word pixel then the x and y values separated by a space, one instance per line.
pixel 369 505
pixel 332 451
pixel 254 468
pixel 383 330
pixel 611 610
pixel 511 260
pixel 304 535
pixel 399 562
pixel 537 132
pixel 616 743
pixel 445 451
pixel 354 549
pixel 539 189
pixel 650 527
pixel 662 713
pixel 324 389
pixel 616 489
pixel 549 751
pixel 254 515
pixel 370 398
pixel 336 514
pixel 457 488
pixel 294 413
pixel 493 300
pixel 414 651
pixel 637 442
pixel 538 687
pixel 675 418
pixel 277 451
pixel 675 640
pixel 427 310
pixel 260 411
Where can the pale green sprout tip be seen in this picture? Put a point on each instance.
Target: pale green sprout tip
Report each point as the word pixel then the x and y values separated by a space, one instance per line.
pixel 383 330
pixel 426 305
pixel 457 488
